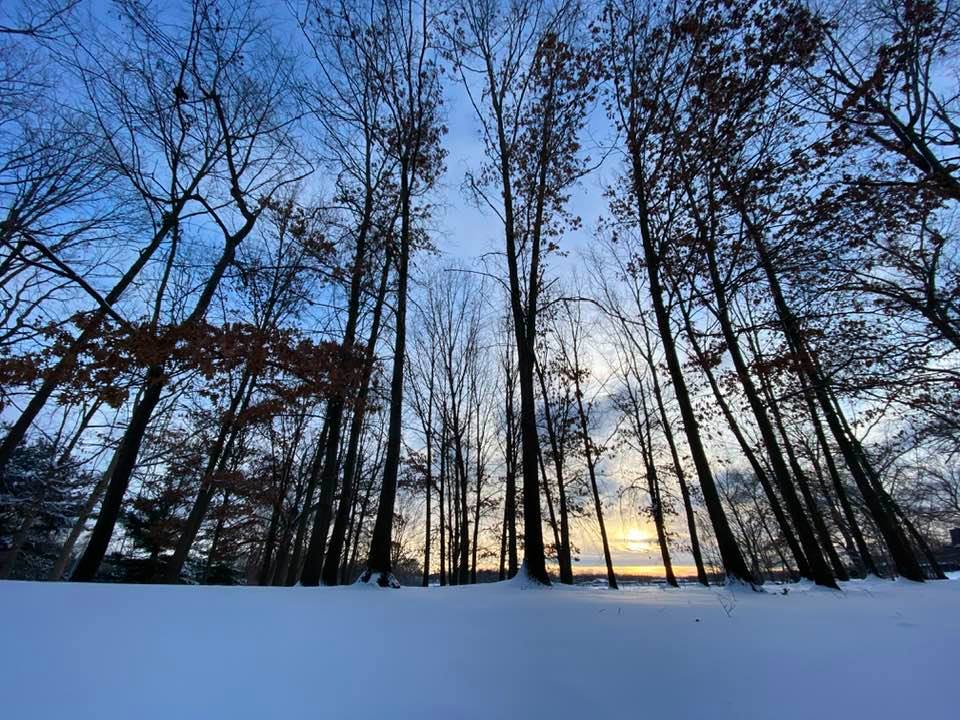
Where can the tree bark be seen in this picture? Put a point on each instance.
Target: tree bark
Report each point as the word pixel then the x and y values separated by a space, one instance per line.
pixel 904 558
pixel 733 562
pixel 819 571
pixel 379 561
pixel 129 447
pixel 678 468
pixel 563 545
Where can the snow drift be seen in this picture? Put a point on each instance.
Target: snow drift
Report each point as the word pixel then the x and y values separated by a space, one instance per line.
pixel 878 649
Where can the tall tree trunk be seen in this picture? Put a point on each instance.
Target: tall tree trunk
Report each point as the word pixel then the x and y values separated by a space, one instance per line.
pixel 653 488
pixel 273 563
pixel 678 468
pixel 474 545
pixel 524 327
pixel 307 511
pixel 904 558
pixel 379 562
pixel 510 503
pixel 551 515
pixel 748 452
pixel 263 577
pixel 819 571
pixel 442 506
pixel 129 448
pixel 66 552
pixel 332 561
pixel 454 524
pixel 733 562
pixel 533 552
pixel 123 463
pixel 848 542
pixel 329 469
pixel 866 558
pixel 823 533
pixel 313 565
pixel 426 534
pixel 885 497
pixel 217 534
pixel 563 546
pixel 356 527
pixel 502 575
pixel 462 512
pixel 291 521
pixel 218 456
pixel 589 456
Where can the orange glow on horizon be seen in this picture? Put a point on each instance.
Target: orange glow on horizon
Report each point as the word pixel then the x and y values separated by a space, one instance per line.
pixel 628 571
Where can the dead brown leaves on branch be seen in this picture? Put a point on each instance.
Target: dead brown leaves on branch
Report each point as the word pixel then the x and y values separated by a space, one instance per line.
pixel 292 365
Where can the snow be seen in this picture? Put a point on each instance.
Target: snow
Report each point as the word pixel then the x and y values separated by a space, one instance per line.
pixel 878 649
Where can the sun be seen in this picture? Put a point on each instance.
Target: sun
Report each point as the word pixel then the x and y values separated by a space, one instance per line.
pixel 636 540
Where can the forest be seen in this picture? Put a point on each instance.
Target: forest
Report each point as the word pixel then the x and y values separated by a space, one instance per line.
pixel 425 292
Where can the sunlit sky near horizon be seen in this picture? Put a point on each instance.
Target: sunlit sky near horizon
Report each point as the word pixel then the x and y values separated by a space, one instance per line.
pixel 465 232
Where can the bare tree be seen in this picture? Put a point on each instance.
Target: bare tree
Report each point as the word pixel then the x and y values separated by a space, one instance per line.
pixel 571 338
pixel 401 37
pixel 252 120
pixel 647 69
pixel 537 83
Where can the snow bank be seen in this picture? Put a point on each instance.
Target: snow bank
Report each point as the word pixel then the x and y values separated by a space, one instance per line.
pixel 877 650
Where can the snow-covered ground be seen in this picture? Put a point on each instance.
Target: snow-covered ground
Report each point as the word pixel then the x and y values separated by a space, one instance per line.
pixel 877 650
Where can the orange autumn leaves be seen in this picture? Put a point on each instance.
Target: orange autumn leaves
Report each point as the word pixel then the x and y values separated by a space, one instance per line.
pixel 292 365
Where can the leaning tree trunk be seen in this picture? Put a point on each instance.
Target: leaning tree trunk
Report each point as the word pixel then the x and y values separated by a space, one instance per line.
pixel 126 454
pixel 333 560
pixel 295 566
pixel 733 562
pixel 66 363
pixel 653 483
pixel 653 487
pixel 217 534
pixel 551 514
pixel 313 564
pixel 748 452
pixel 904 558
pixel 848 542
pixel 853 524
pixel 823 533
pixel 819 571
pixel 66 552
pixel 681 475
pixel 123 463
pixel 218 456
